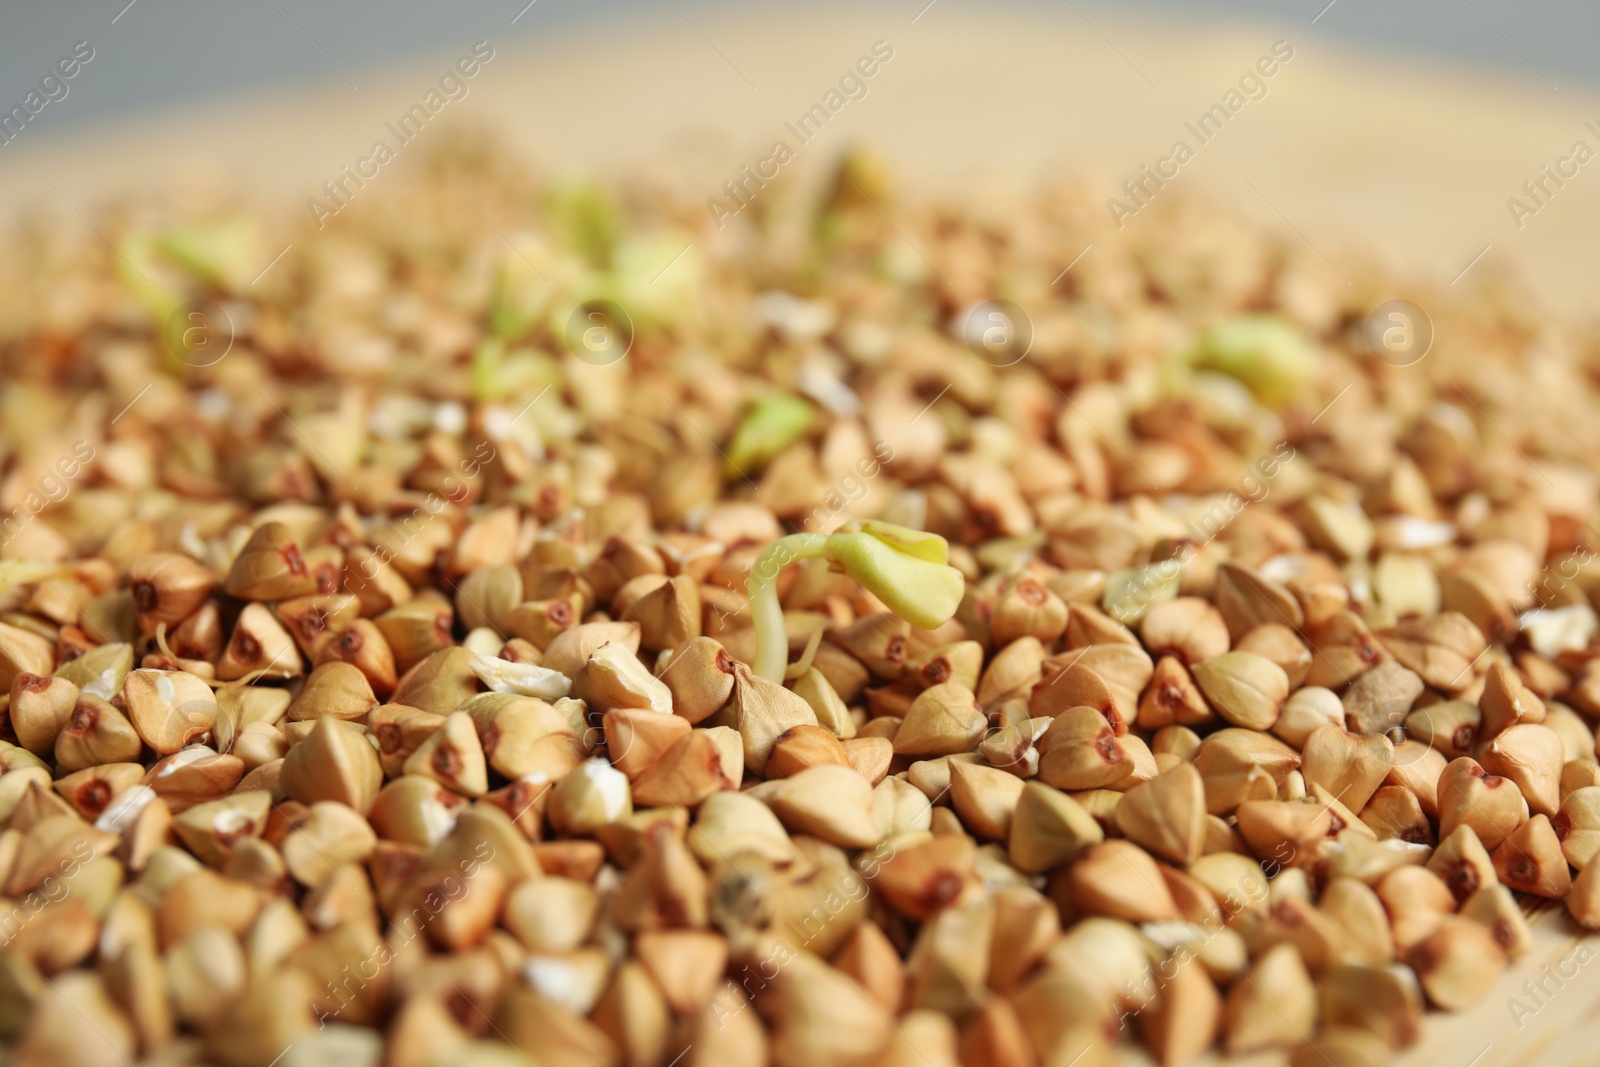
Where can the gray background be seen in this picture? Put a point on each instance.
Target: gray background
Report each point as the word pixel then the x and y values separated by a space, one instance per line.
pixel 174 51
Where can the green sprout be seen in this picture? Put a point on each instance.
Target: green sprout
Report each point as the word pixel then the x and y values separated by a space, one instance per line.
pixel 225 252
pixel 658 277
pixel 771 426
pixel 1131 593
pixel 1269 355
pixel 587 218
pixel 146 273
pixel 906 569
pixel 497 372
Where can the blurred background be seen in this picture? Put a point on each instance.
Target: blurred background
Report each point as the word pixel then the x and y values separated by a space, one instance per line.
pixel 1400 130
pixel 170 52
pixel 1457 140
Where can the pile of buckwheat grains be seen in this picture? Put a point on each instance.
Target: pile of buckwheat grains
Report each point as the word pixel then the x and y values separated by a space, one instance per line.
pixel 493 643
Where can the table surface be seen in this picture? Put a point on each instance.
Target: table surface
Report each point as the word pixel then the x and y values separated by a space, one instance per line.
pixel 1411 160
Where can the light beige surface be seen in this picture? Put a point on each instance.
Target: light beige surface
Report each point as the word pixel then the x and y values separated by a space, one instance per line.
pixel 1380 152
